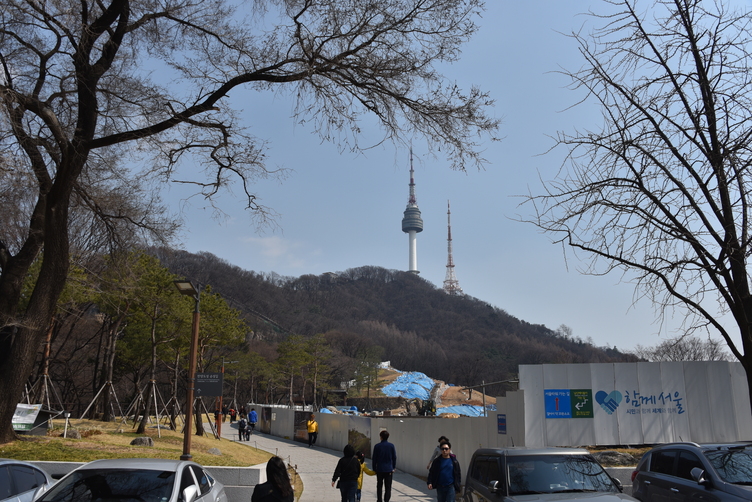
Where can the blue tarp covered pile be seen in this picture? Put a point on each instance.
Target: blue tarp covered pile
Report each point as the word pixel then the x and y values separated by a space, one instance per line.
pixel 410 385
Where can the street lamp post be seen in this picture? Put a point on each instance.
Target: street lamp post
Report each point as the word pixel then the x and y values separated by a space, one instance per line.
pixel 187 288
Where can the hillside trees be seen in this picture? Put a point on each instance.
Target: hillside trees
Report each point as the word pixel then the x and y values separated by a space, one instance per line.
pixel 684 348
pixel 661 190
pixel 89 86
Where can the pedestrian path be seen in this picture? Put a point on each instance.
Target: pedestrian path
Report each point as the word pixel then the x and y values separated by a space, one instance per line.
pixel 316 466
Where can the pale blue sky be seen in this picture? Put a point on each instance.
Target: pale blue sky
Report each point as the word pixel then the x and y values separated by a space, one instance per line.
pixel 338 210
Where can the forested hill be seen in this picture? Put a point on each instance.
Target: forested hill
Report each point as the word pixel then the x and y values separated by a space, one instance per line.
pixel 458 339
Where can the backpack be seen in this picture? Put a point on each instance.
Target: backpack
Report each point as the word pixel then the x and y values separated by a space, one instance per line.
pixel 242 423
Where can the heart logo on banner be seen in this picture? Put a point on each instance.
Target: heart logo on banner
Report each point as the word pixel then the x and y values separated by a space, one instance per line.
pixel 609 402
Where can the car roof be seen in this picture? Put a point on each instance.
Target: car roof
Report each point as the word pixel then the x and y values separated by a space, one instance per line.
pixel 707 446
pixel 521 450
pixel 149 464
pixel 4 461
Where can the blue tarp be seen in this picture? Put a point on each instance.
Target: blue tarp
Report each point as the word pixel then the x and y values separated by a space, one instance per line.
pixel 410 385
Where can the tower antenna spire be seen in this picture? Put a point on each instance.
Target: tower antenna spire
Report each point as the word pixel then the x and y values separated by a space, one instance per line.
pixel 451 284
pixel 412 223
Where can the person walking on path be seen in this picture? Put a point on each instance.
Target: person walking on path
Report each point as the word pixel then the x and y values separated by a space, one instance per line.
pixel 277 487
pixel 384 460
pixel 347 471
pixel 437 450
pixel 363 469
pixel 313 430
pixel 252 419
pixel 242 424
pixel 445 475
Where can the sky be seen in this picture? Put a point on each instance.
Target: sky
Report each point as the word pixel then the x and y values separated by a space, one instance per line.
pixel 338 210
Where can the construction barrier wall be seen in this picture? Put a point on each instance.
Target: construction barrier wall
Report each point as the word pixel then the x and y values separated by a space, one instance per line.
pixel 564 405
pixel 635 403
pixel 414 437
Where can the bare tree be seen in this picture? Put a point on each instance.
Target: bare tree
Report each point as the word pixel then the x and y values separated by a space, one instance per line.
pixel 86 82
pixel 661 191
pixel 684 348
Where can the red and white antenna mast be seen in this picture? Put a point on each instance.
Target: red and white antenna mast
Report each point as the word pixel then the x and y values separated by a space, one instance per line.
pixel 451 284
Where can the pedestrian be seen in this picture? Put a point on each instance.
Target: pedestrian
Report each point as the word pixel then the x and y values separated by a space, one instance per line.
pixel 445 475
pixel 242 411
pixel 437 450
pixel 224 413
pixel 277 487
pixel 363 468
pixel 347 472
pixel 384 460
pixel 241 428
pixel 313 429
pixel 252 419
pixel 233 415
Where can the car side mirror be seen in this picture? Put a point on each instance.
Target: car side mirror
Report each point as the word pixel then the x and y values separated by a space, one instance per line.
pixel 38 492
pixel 493 486
pixel 190 494
pixel 699 476
pixel 618 484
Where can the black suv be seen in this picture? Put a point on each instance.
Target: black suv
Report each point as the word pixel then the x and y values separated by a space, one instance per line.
pixel 546 474
pixel 679 472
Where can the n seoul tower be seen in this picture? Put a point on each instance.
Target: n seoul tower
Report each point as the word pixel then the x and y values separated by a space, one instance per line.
pixel 412 223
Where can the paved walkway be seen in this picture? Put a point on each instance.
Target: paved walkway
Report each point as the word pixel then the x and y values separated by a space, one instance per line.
pixel 316 466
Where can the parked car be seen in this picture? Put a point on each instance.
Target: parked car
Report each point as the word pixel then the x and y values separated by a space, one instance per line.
pixel 690 471
pixel 20 481
pixel 545 474
pixel 137 479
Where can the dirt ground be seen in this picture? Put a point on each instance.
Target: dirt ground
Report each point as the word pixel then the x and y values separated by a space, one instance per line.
pixel 457 395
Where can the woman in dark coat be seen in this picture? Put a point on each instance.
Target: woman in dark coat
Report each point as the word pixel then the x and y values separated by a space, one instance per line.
pixel 277 487
pixel 348 472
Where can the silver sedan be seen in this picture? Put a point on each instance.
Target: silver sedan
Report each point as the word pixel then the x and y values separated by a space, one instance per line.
pixel 20 481
pixel 137 480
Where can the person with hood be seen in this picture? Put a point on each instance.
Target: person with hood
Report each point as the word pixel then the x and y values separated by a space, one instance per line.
pixel 277 487
pixel 347 471
pixel 445 475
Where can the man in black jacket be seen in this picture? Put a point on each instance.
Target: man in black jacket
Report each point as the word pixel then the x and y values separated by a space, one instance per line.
pixel 445 475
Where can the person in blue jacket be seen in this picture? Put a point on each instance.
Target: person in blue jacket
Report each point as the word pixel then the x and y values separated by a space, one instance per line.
pixel 445 475
pixel 384 460
pixel 252 419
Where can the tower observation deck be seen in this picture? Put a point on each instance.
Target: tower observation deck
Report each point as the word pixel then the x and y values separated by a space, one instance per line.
pixel 412 223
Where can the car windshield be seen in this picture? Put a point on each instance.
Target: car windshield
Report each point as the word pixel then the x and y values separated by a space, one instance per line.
pixel 556 474
pixel 733 465
pixel 115 485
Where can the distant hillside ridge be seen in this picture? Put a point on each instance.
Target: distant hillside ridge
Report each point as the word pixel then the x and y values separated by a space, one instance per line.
pixel 458 339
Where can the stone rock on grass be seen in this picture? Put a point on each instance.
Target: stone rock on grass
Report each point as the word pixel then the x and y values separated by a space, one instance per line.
pixel 143 441
pixel 71 434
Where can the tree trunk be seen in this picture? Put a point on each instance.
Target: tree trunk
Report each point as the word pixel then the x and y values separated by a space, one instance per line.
pixel 110 366
pixel 21 336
